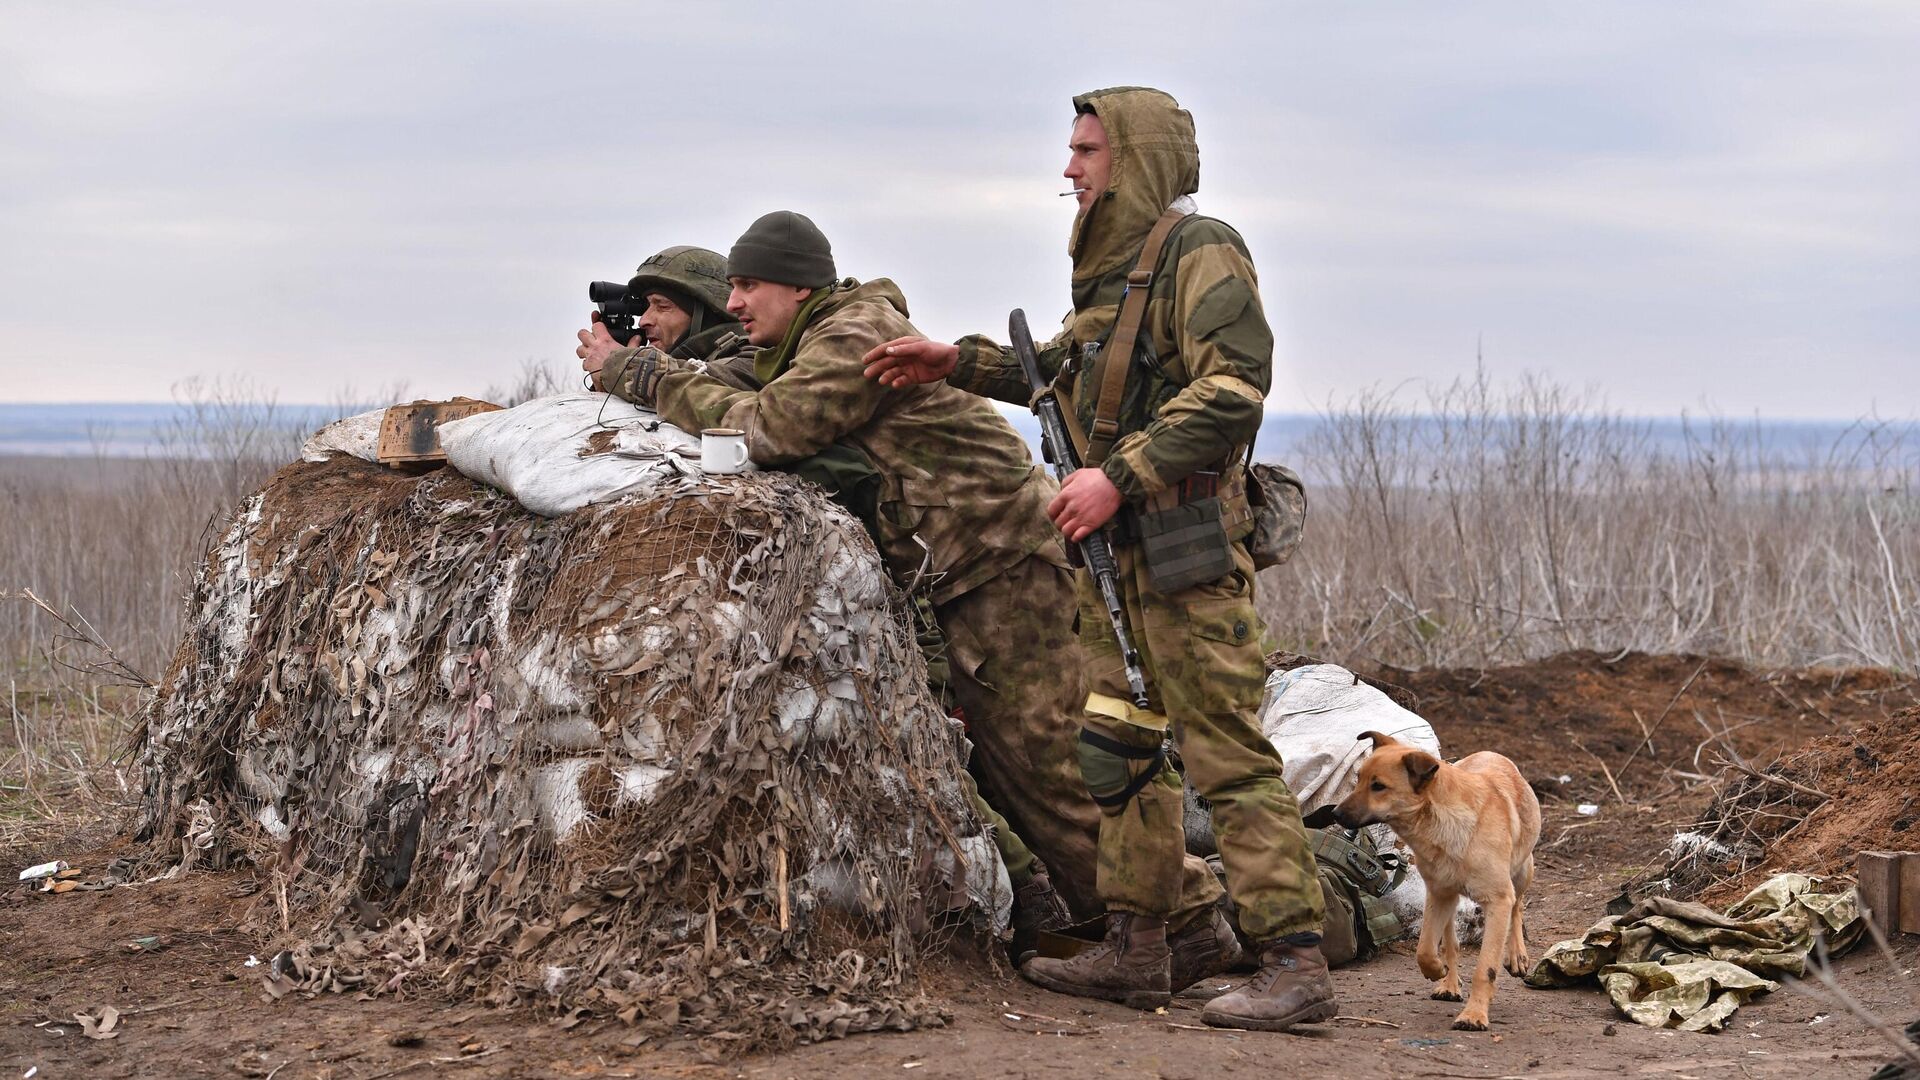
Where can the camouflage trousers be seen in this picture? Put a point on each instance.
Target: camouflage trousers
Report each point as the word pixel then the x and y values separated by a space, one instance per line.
pixel 1019 676
pixel 1201 650
pixel 1006 639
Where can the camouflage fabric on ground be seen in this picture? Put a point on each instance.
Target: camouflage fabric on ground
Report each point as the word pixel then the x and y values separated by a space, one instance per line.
pixel 1666 963
pixel 671 760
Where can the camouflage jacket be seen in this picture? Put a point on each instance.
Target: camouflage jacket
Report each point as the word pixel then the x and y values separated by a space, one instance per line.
pixel 1205 356
pixel 961 524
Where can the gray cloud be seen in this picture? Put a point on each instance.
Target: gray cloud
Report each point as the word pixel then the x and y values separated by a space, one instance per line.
pixel 1677 203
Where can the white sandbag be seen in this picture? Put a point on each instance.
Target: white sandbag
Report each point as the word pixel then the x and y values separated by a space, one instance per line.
pixel 557 454
pixel 357 435
pixel 1314 715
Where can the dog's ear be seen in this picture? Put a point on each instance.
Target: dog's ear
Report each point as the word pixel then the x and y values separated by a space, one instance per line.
pixel 1421 767
pixel 1379 740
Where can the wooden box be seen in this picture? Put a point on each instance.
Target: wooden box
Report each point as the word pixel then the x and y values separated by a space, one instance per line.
pixel 1890 889
pixel 410 433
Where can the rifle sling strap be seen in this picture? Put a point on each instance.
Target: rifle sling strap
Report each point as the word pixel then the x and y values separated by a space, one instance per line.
pixel 1117 357
pixel 1070 416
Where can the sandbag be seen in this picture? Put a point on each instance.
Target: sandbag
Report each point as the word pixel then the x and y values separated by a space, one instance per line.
pixel 557 454
pixel 554 454
pixel 356 436
pixel 1314 715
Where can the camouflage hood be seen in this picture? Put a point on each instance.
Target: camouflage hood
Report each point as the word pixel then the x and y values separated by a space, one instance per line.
pixel 849 291
pixel 1155 161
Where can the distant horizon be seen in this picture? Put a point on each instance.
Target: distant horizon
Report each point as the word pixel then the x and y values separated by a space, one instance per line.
pixel 131 430
pixel 1705 411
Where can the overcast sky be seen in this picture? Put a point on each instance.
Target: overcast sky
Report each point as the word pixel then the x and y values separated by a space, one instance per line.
pixel 1681 205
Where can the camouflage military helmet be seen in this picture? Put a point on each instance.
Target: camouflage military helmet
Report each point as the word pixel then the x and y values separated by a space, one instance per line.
pixel 685 274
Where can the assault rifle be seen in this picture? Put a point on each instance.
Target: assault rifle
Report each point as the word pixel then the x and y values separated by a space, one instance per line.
pixel 1095 552
pixel 617 310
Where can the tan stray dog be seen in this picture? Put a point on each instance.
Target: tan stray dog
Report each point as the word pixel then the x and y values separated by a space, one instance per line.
pixel 1472 826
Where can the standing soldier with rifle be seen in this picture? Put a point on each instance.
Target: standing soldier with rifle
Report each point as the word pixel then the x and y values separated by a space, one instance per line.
pixel 1163 369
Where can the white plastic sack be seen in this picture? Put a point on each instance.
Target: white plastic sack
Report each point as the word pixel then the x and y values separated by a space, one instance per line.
pixel 358 435
pixel 557 454
pixel 1314 715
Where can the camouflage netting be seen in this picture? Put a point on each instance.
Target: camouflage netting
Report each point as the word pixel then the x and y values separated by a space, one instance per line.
pixel 671 760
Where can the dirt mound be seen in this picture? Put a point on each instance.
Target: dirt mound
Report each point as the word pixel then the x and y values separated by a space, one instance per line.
pixel 1638 736
pixel 1640 718
pixel 1811 811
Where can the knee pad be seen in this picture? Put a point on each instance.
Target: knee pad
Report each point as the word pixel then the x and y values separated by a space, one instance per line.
pixel 1106 765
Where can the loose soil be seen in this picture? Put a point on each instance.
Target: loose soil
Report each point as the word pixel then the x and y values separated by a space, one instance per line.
pixel 1633 735
pixel 1812 810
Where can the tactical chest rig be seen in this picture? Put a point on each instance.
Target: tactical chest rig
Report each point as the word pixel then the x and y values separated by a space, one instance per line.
pixel 1186 532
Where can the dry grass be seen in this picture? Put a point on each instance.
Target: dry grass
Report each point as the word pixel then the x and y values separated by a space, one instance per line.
pixel 114 539
pixel 1472 526
pixel 1481 526
pixel 109 544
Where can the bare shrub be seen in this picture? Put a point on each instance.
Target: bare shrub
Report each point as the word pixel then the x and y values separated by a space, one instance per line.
pixel 1493 525
pixel 114 538
pixel 534 380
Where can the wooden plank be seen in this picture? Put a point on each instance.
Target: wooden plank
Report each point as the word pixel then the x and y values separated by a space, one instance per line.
pixel 1879 873
pixel 1907 919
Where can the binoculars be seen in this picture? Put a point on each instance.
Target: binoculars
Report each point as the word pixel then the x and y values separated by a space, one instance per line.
pixel 618 310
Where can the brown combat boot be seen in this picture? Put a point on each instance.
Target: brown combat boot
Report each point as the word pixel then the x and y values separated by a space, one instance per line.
pixel 1036 907
pixel 1203 948
pixel 1131 966
pixel 1291 988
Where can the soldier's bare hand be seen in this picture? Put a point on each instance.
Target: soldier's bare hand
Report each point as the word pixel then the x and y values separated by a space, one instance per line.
pixel 909 360
pixel 1086 501
pixel 596 344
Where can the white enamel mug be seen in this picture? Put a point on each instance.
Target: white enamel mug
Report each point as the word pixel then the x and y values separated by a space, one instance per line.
pixel 723 450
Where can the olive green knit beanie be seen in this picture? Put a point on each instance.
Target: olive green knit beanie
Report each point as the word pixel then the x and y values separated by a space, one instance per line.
pixel 785 248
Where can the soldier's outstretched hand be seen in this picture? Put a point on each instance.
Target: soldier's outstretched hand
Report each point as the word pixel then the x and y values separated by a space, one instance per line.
pixel 909 360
